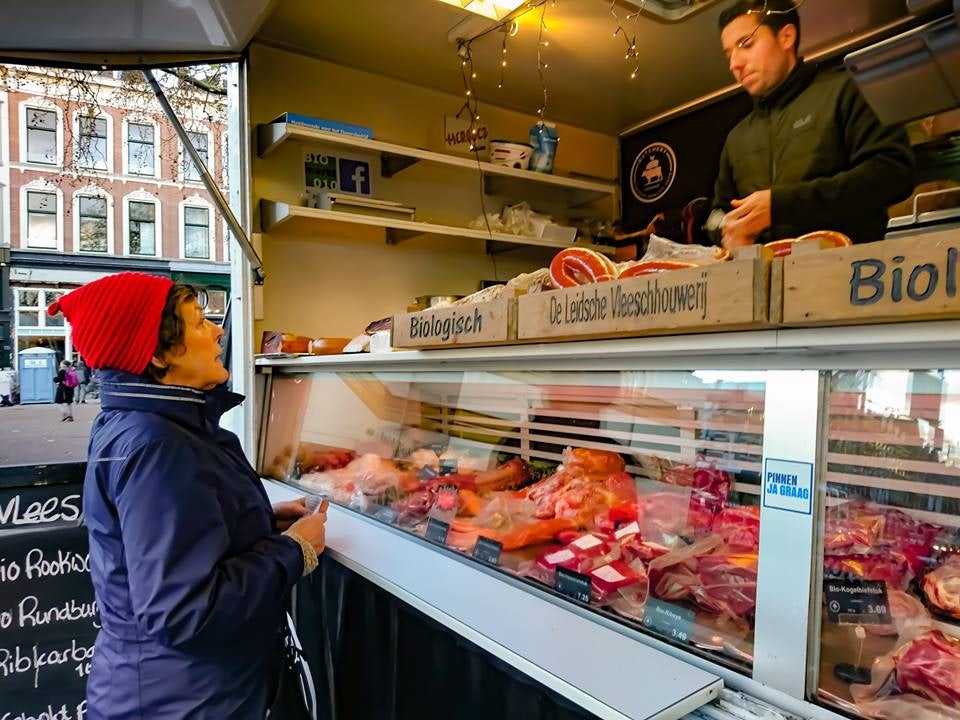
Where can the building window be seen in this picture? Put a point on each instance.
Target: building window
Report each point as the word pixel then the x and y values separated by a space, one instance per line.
pixel 140 149
pixel 216 303
pixel 196 233
pixel 201 143
pixel 92 143
pixel 42 220
pixel 93 224
pixel 28 308
pixel 41 136
pixel 143 228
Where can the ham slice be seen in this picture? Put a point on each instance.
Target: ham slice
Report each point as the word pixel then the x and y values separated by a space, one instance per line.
pixel 942 587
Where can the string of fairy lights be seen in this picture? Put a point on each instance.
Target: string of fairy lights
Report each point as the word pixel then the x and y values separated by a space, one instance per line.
pixel 626 27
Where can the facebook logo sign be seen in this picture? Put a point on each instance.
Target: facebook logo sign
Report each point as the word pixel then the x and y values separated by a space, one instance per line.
pixel 355 176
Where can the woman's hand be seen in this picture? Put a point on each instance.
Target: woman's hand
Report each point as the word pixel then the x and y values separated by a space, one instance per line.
pixel 311 528
pixel 287 513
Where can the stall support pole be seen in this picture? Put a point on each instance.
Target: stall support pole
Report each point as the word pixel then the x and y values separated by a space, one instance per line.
pixel 790 505
pixel 256 264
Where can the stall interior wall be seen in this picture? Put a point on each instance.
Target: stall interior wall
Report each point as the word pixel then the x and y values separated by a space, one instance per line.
pixel 332 281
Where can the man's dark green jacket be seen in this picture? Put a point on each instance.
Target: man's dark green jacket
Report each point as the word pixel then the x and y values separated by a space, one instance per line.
pixel 830 163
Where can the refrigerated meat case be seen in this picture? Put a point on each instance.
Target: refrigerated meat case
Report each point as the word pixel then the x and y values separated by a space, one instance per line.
pixel 776 510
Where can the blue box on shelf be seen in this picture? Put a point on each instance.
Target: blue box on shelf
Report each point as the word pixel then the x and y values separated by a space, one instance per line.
pixel 326 125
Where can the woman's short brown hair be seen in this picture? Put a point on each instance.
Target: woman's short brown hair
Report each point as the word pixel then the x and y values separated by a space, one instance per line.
pixel 172 327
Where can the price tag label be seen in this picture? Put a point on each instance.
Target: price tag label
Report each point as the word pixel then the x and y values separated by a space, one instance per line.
pixel 573 584
pixel 437 531
pixel 670 620
pixel 385 514
pixel 857 602
pixel 488 551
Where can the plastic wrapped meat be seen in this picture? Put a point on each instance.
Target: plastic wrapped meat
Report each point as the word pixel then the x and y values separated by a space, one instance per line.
pixel 926 667
pixel 666 516
pixel 728 584
pixel 674 576
pixel 582 555
pixel 621 586
pixel 739 527
pixel 843 534
pixel 942 587
pixel 369 474
pixel 713 482
pixel 906 612
pixel 889 566
pixel 598 464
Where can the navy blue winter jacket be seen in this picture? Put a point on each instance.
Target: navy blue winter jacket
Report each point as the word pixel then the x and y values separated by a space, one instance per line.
pixel 191 575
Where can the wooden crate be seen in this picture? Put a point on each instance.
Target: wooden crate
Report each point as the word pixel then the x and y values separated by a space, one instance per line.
pixel 487 323
pixel 892 280
pixel 723 296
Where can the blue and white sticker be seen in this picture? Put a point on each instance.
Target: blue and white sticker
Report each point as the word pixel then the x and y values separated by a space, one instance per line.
pixel 788 485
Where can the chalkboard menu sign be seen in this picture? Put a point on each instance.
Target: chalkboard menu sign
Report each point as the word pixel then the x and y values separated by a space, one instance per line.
pixel 48 616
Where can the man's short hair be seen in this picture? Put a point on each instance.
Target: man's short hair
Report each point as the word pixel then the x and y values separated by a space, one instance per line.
pixel 775 14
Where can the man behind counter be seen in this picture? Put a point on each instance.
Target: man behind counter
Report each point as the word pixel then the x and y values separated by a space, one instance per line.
pixel 812 155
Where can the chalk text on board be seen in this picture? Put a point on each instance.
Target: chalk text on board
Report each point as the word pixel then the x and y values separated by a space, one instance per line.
pixel 869 283
pixel 51 713
pixel 21 660
pixel 456 325
pixel 51 510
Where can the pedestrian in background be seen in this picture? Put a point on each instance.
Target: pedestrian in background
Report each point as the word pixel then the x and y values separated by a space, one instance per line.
pixel 66 381
pixel 83 374
pixel 6 387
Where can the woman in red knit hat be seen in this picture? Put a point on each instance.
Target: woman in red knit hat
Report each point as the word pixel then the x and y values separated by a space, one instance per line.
pixel 191 565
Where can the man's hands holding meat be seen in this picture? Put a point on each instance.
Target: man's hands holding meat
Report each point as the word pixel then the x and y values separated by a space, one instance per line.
pixel 750 217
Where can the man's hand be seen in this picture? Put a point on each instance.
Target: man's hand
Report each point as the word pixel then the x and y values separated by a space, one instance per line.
pixel 287 513
pixel 749 217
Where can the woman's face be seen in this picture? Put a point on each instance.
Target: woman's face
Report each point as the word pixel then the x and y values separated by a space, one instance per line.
pixel 196 362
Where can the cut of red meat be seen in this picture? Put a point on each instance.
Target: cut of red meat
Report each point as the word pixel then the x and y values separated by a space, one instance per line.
pixel 621 586
pixel 930 667
pixel 841 534
pixel 728 584
pixel 942 587
pixel 739 527
pixel 889 566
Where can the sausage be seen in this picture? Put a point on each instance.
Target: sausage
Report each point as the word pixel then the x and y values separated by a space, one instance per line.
pixel 828 239
pixel 580 266
pixel 654 266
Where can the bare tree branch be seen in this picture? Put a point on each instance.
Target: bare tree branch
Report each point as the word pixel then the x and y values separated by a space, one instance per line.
pixel 197 82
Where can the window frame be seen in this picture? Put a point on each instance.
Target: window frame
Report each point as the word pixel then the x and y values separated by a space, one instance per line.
pixel 40 186
pixel 104 115
pixel 93 192
pixel 40 103
pixel 145 197
pixel 183 158
pixel 195 201
pixel 125 146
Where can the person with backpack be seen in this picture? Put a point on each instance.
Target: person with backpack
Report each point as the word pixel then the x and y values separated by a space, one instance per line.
pixel 67 382
pixel 83 375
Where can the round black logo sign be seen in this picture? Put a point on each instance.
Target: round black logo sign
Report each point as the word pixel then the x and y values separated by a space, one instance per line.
pixel 653 172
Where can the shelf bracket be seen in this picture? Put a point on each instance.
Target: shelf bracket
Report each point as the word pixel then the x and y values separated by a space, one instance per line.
pixel 391 164
pixel 395 236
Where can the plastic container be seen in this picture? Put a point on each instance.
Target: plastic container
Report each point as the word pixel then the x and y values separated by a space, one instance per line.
pixel 510 154
pixel 544 139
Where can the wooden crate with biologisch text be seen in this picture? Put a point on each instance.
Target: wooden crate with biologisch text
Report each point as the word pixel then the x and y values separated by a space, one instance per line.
pixel 721 296
pixel 476 324
pixel 905 279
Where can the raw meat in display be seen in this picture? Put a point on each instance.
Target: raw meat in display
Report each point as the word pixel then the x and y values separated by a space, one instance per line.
pixel 582 555
pixel 889 566
pixel 673 576
pixel 942 587
pixel 599 464
pixel 728 584
pixel 927 666
pixel 710 479
pixel 369 474
pixel 842 534
pixel 666 516
pixel 512 474
pixel 739 527
pixel 906 613
pixel 621 586
pixel 534 533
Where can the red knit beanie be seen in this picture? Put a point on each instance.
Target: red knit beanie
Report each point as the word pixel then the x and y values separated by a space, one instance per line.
pixel 116 320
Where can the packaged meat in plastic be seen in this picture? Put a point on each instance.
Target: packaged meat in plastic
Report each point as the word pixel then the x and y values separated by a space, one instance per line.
pixel 906 613
pixel 593 463
pixel 621 586
pixel 942 587
pixel 844 534
pixel 589 554
pixel 662 249
pixel 665 517
pixel 674 576
pixel 925 666
pixel 533 533
pixel 887 565
pixel 728 584
pixel 739 527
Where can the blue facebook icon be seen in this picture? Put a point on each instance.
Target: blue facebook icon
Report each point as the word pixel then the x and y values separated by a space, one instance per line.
pixel 355 176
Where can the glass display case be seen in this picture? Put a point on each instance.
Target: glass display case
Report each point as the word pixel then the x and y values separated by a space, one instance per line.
pixel 890 625
pixel 632 493
pixel 787 526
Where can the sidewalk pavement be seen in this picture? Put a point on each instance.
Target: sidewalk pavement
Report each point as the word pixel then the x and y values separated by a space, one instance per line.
pixel 34 435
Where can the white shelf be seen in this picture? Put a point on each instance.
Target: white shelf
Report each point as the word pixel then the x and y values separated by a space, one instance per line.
pixel 276 215
pixel 395 158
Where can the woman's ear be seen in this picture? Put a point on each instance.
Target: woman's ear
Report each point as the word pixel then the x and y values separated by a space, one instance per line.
pixel 158 363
